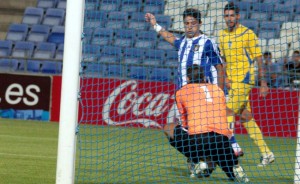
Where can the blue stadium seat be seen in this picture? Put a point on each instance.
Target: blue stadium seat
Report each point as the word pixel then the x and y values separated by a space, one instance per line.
pixel 164 45
pixel 17 32
pixel 161 74
pixel 46 3
pixel 146 39
pixel 172 58
pixel 154 57
pixel 244 9
pixel 283 13
pixel 125 37
pixel 51 67
pixel 154 6
pixel 110 5
pixel 57 35
pixel 164 20
pixel 23 49
pixel 34 66
pixel 5 48
pixel 44 50
pixel 117 20
pixel 137 21
pixel 62 4
pixel 115 70
pixel 94 68
pixel 59 52
pixel 244 6
pixel 111 54
pixel 276 2
pixel 291 2
pixel 251 23
pixel 102 36
pixel 251 1
pixel 38 33
pixel 7 65
pixel 262 11
pixel 296 17
pixel 33 15
pixel 138 72
pixel 54 17
pixel 131 5
pixel 269 29
pixel 21 64
pixel 88 33
pixel 95 19
pixel 90 52
pixel 133 55
pixel 91 4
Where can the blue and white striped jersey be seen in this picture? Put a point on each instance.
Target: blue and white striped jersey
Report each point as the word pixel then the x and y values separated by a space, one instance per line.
pixel 199 50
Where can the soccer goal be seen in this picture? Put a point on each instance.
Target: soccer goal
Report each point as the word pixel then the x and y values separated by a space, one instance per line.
pixel 121 74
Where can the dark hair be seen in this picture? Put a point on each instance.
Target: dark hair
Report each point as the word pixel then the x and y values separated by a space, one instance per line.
pixel 232 6
pixel 296 52
pixel 267 53
pixel 193 13
pixel 195 73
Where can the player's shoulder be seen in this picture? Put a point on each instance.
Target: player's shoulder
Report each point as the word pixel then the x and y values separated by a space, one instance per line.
pixel 208 40
pixel 245 30
pixel 214 87
pixel 222 32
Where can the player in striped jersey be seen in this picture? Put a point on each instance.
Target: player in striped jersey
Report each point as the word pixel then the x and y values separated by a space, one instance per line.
pixel 195 48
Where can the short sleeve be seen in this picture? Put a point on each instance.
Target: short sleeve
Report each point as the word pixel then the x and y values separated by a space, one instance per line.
pixel 177 42
pixel 253 45
pixel 212 52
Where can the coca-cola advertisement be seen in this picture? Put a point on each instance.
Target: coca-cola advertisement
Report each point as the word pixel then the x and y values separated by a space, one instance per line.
pixel 138 103
pixel 127 102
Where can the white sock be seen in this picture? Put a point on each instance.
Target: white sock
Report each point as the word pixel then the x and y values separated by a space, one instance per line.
pixel 236 147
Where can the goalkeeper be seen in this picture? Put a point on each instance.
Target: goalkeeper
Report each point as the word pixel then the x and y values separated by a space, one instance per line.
pixel 204 132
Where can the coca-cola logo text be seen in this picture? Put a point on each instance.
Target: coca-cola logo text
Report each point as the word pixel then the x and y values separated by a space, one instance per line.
pixel 143 108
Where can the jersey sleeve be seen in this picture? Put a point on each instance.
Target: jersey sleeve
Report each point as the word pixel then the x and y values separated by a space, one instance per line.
pixel 221 46
pixel 212 52
pixel 181 108
pixel 253 46
pixel 177 42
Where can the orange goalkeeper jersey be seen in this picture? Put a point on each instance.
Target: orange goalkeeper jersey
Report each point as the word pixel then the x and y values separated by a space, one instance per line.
pixel 203 108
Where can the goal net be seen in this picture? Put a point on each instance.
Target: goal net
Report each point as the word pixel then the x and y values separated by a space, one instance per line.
pixel 129 76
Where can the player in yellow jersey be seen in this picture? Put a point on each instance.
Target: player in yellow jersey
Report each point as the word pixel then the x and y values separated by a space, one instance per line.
pixel 239 46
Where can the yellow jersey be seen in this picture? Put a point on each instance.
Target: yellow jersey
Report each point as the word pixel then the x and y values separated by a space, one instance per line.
pixel 239 48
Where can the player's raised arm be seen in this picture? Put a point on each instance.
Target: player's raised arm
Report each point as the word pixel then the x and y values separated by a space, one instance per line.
pixel 169 37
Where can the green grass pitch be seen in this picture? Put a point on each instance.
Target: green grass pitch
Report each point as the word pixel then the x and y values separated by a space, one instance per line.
pixel 121 155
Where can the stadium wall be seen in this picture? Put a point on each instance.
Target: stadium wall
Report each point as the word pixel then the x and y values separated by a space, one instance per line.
pixel 38 97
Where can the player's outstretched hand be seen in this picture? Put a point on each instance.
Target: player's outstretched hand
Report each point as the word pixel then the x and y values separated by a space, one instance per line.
pixel 264 89
pixel 150 18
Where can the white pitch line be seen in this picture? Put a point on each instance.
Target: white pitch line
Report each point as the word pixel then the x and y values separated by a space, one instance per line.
pixel 31 156
pixel 24 137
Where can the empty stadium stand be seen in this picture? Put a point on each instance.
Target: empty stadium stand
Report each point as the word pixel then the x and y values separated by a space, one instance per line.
pixel 116 34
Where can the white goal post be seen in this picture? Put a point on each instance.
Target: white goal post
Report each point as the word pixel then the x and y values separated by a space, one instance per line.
pixel 69 94
pixel 297 159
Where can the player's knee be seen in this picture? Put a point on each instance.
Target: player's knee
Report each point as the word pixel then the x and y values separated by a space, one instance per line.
pixel 167 130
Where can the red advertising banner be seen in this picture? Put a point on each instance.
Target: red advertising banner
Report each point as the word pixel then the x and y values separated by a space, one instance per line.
pixel 126 102
pixel 152 104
